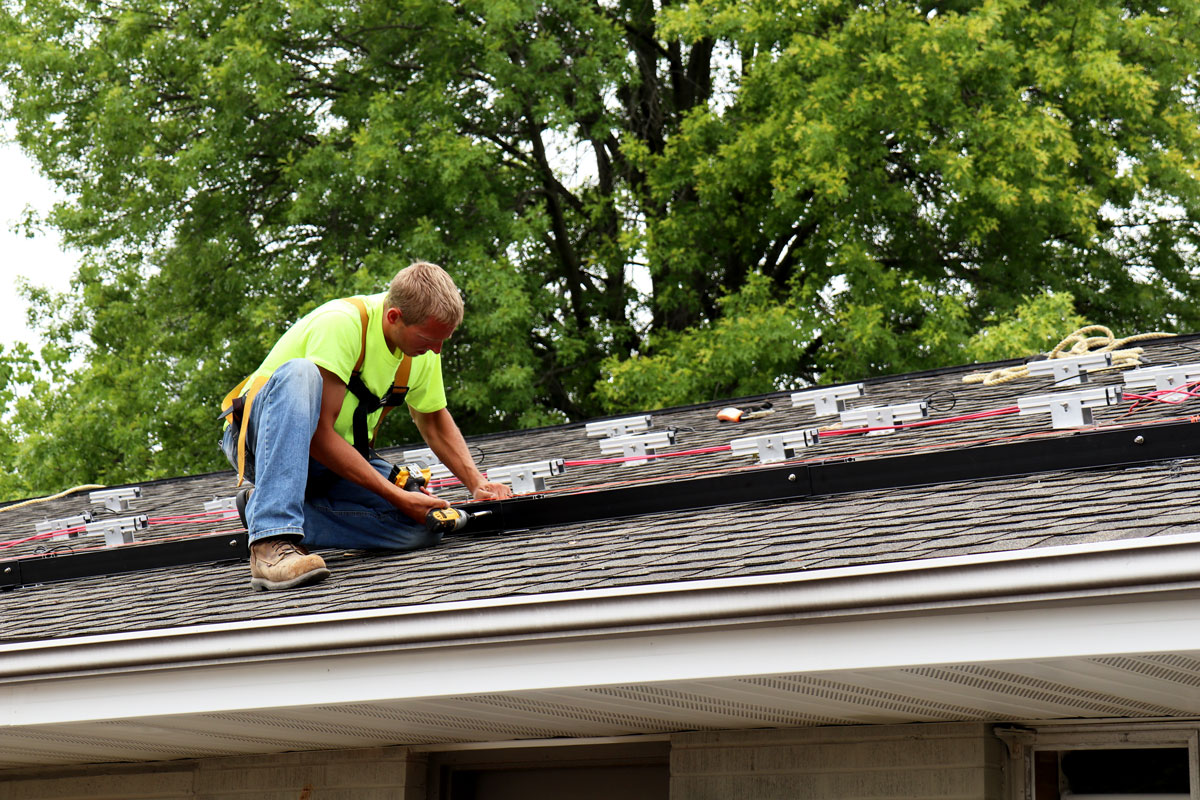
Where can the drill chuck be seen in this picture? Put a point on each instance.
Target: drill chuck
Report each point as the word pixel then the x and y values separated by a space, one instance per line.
pixel 448 520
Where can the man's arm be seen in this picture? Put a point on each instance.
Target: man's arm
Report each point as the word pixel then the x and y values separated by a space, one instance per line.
pixel 443 437
pixel 338 455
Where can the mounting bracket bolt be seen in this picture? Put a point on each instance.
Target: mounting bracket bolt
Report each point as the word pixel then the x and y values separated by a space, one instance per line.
pixel 792 477
pixel 1139 439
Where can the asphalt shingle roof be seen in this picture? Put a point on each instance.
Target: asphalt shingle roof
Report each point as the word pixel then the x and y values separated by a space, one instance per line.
pixel 949 519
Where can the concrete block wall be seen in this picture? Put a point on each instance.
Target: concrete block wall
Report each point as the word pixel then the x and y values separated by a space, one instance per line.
pixel 952 761
pixel 370 774
pixel 955 761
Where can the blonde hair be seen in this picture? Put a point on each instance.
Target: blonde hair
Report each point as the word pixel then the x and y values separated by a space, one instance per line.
pixel 423 290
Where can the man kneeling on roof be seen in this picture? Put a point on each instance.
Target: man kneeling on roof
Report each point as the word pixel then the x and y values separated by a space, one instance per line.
pixel 298 428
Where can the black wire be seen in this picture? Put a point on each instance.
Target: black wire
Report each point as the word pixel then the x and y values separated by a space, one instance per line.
pixel 51 551
pixel 1054 383
pixel 1149 362
pixel 937 405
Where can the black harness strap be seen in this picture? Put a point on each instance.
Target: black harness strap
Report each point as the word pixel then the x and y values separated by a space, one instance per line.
pixel 368 403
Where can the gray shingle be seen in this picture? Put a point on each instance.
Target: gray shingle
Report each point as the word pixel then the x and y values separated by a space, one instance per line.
pixel 753 539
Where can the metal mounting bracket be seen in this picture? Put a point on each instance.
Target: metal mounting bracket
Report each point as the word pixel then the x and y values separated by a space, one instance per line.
pixel 617 427
pixel 1163 379
pixel 884 416
pixel 1070 409
pixel 637 445
pixel 116 499
pixel 827 402
pixel 221 504
pixel 63 525
pixel 1070 371
pixel 117 531
pixel 527 478
pixel 773 447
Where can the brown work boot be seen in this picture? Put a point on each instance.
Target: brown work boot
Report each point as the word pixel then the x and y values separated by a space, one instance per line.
pixel 280 563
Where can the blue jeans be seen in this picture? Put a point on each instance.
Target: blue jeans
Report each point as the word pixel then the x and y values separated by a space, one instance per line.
pixel 283 418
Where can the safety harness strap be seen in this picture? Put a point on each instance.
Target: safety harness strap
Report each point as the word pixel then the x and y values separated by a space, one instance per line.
pixel 368 403
pixel 237 404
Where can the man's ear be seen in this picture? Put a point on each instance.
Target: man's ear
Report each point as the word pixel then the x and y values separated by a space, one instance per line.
pixel 393 315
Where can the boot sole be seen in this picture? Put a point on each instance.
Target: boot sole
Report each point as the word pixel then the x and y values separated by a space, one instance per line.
pixel 315 576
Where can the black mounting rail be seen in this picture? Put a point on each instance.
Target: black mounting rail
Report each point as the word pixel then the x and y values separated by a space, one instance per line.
pixel 31 571
pixel 1083 450
pixel 1101 449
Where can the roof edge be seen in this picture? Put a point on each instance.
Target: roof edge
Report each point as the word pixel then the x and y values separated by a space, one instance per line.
pixel 1063 574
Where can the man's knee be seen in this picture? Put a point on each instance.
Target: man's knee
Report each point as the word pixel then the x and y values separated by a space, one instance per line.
pixel 292 397
pixel 300 374
pixel 299 378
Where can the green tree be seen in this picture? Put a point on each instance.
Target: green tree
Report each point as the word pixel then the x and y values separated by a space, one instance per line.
pixel 922 167
pixel 1037 325
pixel 814 190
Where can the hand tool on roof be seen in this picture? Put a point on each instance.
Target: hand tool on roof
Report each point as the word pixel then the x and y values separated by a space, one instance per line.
pixel 448 520
pixel 732 414
pixel 414 478
pixel 410 477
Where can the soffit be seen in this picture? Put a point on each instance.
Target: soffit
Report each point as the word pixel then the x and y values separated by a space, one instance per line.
pixel 310 707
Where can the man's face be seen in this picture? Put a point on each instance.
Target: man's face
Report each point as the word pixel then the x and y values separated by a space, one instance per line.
pixel 413 340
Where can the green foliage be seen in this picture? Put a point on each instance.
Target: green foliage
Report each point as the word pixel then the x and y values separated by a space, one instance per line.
pixel 813 191
pixel 928 166
pixel 1035 326
pixel 751 348
pixel 17 370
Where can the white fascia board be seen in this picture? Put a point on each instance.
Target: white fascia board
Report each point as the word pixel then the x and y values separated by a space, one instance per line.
pixel 1132 596
pixel 1118 627
pixel 1088 570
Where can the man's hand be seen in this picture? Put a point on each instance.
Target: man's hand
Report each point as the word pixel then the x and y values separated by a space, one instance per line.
pixel 416 505
pixel 491 491
pixel 443 437
pixel 336 453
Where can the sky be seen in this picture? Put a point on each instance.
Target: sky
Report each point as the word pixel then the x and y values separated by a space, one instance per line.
pixel 40 259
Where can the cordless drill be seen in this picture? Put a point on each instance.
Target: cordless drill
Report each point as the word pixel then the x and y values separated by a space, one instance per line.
pixel 448 520
pixel 413 478
pixel 410 477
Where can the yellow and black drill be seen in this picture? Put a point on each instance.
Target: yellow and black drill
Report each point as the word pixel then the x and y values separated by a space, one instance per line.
pixel 448 520
pixel 411 477
pixel 414 478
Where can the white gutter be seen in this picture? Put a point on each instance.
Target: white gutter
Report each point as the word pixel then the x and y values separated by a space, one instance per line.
pixel 1158 566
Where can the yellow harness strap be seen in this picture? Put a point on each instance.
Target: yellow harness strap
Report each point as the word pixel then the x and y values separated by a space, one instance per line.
pixel 401 381
pixel 248 400
pixel 362 316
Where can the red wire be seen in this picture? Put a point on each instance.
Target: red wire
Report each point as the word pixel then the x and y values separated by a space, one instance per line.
pixel 42 535
pixel 1157 396
pixel 182 521
pixel 191 516
pixel 588 462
